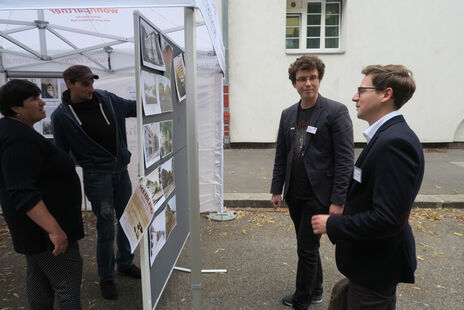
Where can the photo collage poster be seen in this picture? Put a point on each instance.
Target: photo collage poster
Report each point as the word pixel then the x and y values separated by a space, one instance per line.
pixel 51 90
pixel 157 79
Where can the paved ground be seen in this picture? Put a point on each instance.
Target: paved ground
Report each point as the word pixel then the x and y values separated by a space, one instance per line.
pixel 259 250
pixel 248 174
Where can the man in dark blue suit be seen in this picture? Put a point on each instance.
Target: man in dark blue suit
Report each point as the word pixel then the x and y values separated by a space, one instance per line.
pixel 375 247
pixel 314 163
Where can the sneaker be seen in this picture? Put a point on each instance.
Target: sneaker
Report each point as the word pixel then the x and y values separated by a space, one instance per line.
pixel 288 299
pixel 133 272
pixel 108 290
pixel 316 299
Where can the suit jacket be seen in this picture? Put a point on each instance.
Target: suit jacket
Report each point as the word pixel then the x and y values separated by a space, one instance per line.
pixel 328 155
pixel 375 246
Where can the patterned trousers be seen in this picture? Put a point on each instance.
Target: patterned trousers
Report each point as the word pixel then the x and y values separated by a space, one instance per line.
pixel 48 275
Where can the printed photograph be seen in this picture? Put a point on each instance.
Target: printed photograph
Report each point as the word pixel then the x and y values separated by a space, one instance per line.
pixel 157 232
pixel 167 178
pixel 151 50
pixel 164 93
pixel 153 184
pixel 47 128
pixel 151 135
pixel 166 138
pixel 179 72
pixel 61 87
pixel 167 57
pixel 150 97
pixel 170 212
pixel 49 88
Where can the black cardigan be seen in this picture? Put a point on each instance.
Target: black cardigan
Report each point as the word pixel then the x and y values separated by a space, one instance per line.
pixel 34 169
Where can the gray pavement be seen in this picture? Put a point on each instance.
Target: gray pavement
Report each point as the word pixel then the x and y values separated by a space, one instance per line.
pixel 258 249
pixel 248 175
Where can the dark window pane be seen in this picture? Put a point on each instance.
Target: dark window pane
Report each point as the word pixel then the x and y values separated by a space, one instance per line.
pixel 312 43
pixel 292 32
pixel 332 8
pixel 314 20
pixel 331 31
pixel 331 43
pixel 314 32
pixel 292 43
pixel 331 20
pixel 293 21
pixel 314 7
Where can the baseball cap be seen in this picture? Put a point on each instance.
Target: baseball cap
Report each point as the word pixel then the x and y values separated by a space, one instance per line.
pixel 79 73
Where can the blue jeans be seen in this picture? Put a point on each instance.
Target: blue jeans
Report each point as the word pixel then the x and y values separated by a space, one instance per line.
pixel 309 270
pixel 109 192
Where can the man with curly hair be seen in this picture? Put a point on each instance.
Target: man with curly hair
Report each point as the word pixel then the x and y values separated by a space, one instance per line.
pixel 314 164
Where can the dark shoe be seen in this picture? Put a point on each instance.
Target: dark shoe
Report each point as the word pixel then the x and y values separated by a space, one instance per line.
pixel 288 300
pixel 108 290
pixel 316 299
pixel 133 272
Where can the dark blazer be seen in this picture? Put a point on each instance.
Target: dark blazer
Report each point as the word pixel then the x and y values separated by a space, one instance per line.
pixel 375 247
pixel 328 155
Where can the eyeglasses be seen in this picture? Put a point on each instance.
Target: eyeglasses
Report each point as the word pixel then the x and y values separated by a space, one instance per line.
pixel 361 89
pixel 312 78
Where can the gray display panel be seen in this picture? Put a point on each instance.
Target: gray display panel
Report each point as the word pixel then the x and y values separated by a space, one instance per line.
pixel 151 64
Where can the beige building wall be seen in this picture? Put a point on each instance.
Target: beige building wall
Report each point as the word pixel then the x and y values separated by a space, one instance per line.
pixel 423 35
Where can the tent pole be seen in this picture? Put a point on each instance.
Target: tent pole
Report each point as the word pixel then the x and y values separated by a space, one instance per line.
pixel 144 248
pixel 41 24
pixel 192 150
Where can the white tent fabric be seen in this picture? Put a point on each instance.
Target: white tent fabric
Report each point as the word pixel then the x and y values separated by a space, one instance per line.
pixel 88 31
pixel 83 35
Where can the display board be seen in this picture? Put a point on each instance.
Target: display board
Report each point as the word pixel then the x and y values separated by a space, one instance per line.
pixel 160 78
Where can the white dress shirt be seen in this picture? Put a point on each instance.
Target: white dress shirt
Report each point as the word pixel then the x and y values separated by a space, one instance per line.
pixel 370 132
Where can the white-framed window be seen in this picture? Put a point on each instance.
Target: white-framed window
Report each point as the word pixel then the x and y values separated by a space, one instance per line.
pixel 313 26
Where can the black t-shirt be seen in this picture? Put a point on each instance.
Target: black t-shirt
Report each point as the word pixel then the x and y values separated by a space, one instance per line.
pixel 94 123
pixel 300 186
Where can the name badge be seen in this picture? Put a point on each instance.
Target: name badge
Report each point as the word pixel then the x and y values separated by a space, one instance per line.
pixel 357 174
pixel 311 130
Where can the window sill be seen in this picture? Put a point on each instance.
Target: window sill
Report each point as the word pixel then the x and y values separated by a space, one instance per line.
pixel 317 52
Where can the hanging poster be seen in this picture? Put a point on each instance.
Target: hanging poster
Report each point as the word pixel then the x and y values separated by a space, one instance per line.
pixel 167 178
pixel 150 98
pixel 170 212
pixel 164 93
pixel 166 138
pixel 150 47
pixel 167 57
pixel 157 235
pixel 49 88
pixel 137 215
pixel 153 184
pixel 179 72
pixel 151 135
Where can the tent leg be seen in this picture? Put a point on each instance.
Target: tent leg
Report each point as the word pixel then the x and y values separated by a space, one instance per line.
pixel 192 150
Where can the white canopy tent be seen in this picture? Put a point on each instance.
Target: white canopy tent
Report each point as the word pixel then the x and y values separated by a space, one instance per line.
pixel 44 42
pixel 43 38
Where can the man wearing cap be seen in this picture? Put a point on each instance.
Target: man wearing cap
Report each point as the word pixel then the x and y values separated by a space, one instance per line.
pixel 91 124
